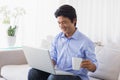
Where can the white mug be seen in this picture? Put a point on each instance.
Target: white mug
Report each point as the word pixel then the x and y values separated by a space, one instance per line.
pixel 76 63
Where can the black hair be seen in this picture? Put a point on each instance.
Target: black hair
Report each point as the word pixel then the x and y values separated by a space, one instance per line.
pixel 66 11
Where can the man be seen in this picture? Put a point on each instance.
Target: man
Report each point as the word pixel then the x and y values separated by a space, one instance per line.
pixel 67 44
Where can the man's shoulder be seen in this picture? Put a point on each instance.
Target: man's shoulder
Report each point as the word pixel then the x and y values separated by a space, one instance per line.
pixel 84 38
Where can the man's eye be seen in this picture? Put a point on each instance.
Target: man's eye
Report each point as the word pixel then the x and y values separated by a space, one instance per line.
pixel 63 22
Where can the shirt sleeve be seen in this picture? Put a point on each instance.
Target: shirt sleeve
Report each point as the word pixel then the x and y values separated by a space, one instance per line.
pixel 53 51
pixel 89 53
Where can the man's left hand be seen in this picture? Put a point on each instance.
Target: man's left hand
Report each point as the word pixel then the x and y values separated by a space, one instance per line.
pixel 88 65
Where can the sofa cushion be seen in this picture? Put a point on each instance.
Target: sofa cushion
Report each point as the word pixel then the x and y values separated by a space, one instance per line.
pixel 92 78
pixel 15 72
pixel 19 72
pixel 109 67
pixel 2 79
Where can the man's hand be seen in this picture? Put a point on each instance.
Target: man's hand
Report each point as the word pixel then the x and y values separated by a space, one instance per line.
pixel 54 63
pixel 88 65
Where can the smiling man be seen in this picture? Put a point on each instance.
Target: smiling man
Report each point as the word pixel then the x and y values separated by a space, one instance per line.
pixel 70 42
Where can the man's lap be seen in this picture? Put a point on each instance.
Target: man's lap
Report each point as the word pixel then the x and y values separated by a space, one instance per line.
pixel 35 74
pixel 63 77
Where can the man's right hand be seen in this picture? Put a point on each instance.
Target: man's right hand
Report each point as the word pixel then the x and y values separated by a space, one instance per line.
pixel 54 63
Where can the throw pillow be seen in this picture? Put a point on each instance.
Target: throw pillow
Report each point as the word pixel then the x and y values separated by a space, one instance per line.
pixel 109 65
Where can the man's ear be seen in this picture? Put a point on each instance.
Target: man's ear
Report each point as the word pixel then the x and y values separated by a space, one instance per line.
pixel 74 20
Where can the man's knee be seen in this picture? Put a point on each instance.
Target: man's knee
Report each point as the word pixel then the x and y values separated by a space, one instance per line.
pixel 33 74
pixel 52 77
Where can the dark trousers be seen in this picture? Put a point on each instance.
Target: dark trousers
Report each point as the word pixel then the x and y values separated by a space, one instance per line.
pixel 35 74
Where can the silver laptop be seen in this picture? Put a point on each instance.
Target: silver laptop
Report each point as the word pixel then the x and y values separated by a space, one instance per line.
pixel 40 59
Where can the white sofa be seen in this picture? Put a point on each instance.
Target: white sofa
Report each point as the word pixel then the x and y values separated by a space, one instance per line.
pixel 14 65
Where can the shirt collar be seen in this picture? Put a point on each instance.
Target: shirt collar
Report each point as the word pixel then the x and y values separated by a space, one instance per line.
pixel 74 36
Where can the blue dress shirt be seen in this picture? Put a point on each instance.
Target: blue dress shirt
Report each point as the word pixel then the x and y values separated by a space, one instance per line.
pixel 78 45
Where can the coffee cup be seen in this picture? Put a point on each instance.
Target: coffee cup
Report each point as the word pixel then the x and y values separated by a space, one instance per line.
pixel 76 63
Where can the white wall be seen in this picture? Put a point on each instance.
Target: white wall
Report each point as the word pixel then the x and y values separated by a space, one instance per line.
pixel 3 27
pixel 37 23
pixel 43 22
pixel 98 19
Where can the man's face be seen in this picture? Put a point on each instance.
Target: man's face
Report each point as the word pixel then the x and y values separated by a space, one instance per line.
pixel 66 25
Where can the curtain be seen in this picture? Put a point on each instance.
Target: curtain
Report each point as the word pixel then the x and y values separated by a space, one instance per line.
pixel 98 19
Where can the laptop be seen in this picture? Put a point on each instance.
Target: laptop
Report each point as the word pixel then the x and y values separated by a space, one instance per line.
pixel 40 59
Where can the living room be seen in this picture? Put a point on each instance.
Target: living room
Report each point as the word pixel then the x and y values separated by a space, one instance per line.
pixel 36 26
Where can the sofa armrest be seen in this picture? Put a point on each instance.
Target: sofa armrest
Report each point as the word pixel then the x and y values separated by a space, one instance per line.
pixel 119 77
pixel 11 57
